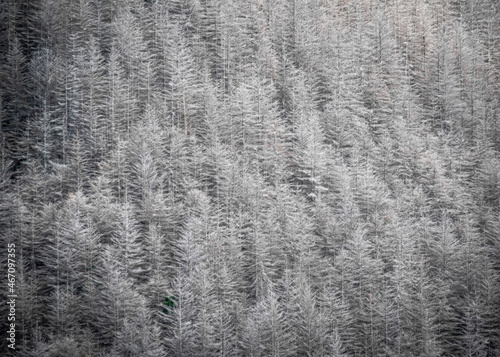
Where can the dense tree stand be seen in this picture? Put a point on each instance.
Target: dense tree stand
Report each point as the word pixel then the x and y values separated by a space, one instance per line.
pixel 250 178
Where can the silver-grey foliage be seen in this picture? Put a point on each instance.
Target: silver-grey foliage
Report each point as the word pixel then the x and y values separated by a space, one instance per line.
pixel 251 178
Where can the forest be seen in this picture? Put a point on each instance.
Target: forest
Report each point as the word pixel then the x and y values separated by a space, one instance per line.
pixel 250 178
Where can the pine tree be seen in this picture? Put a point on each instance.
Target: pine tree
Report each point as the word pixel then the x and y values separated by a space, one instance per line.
pixel 127 245
pixel 183 90
pixel 114 300
pixel 15 108
pixel 46 130
pixel 310 324
pixel 179 321
pixel 139 336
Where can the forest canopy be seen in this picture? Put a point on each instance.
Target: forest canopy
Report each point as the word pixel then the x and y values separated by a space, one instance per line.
pixel 251 178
